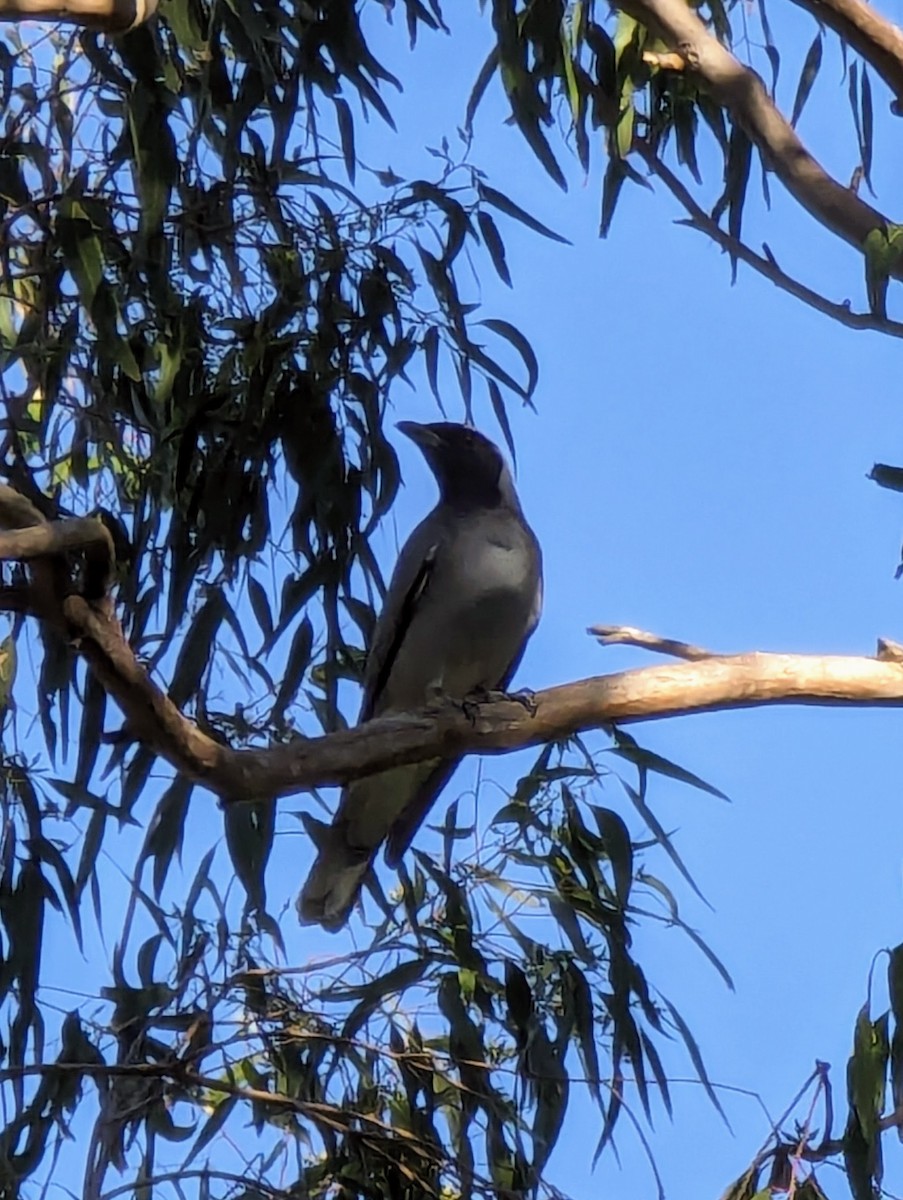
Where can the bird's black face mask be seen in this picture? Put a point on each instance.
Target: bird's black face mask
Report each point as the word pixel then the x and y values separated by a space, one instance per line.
pixel 467 466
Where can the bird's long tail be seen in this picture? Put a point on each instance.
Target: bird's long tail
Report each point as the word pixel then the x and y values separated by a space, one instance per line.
pixel 336 878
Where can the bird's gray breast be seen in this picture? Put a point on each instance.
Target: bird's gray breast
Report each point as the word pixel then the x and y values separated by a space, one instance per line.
pixel 479 606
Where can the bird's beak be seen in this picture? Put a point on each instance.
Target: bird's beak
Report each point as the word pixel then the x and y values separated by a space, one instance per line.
pixel 420 435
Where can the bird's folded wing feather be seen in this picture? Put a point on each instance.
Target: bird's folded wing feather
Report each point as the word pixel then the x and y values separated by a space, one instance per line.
pixel 407 587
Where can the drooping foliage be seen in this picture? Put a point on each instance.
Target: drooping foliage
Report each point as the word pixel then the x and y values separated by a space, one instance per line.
pixel 209 302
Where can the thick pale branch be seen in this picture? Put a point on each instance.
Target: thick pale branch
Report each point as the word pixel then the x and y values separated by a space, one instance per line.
pixel 877 39
pixel 740 681
pixel 447 730
pixel 114 16
pixel 649 693
pixel 741 91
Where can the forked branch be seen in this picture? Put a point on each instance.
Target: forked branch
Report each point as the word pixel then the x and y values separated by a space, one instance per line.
pixel 742 92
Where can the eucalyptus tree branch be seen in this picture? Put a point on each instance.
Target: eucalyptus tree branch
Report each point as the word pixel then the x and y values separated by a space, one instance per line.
pixel 55 537
pixel 700 219
pixel 112 16
pixel 878 40
pixel 741 91
pixel 48 578
pixel 323 1113
pixel 447 729
pixel 30 536
pixel 16 510
pixel 628 635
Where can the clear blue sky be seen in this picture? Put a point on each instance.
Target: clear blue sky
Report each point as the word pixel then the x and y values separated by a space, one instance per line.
pixel 697 468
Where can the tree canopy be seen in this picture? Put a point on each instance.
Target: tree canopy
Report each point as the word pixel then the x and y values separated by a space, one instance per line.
pixel 209 295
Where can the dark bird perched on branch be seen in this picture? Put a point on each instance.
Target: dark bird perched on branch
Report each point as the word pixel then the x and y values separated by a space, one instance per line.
pixel 463 600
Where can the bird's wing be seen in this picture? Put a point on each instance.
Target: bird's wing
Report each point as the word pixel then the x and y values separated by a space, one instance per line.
pixel 407 588
pixel 404 829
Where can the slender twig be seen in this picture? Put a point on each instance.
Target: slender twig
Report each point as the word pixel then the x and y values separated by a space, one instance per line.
pixel 627 635
pixel 700 219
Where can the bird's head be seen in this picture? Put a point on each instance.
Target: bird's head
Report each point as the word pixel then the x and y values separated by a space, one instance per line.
pixel 469 469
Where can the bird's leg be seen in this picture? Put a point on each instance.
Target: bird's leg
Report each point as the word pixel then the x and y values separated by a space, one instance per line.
pixel 481 695
pixel 526 697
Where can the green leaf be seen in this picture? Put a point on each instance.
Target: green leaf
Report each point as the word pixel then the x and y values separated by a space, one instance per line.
pixel 81 249
pixel 626 116
pixel 484 76
pixel 866 1073
pixel 211 1127
pixel 746 1187
pixel 501 415
pixel 250 829
pixel 155 158
pixel 167 829
pixel 346 134
pixel 197 648
pixel 648 760
pixel 696 1058
pixel 615 174
pixel 545 1067
pixel 371 996
pixel 7 671
pixel 638 799
pixel 500 201
pixel 627 30
pixel 581 998
pixel 519 1000
pixel 296 665
pixel 260 606
pixel 618 847
pixel 492 239
pixel 430 346
pixel 807 77
pixel 867 127
pixel 520 343
pixel 883 250
pixel 895 993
